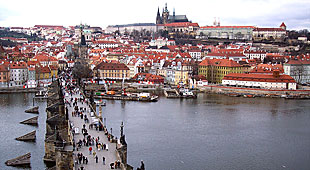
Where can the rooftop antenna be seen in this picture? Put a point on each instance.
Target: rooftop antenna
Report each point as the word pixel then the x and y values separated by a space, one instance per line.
pixel 214 22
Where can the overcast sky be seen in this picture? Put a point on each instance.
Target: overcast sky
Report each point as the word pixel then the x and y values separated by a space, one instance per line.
pixel 261 13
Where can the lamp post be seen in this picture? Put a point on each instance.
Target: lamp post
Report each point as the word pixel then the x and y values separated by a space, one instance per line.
pixel 122 128
pixel 111 132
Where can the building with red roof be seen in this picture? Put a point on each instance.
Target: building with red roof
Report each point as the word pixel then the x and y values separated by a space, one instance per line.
pixel 267 69
pixel 215 69
pixel 269 33
pixel 265 81
pixel 255 54
pixel 111 70
pixel 18 74
pixel 148 77
pixel 4 76
pixel 226 32
pixel 299 69
pixel 181 28
pixel 44 59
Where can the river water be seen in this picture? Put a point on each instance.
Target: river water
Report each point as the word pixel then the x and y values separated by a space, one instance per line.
pixel 210 132
pixel 12 111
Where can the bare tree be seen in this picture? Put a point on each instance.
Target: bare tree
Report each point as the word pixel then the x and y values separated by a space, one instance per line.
pixel 81 70
pixel 299 72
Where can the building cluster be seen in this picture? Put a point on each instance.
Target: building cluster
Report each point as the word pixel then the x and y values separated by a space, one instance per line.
pixel 155 61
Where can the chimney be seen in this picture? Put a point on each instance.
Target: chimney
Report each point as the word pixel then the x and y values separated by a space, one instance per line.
pixel 276 74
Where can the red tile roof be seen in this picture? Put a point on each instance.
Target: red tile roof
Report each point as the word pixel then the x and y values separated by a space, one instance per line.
pixel 44 57
pixel 219 62
pixel 282 25
pixel 299 61
pixel 45 69
pixel 111 66
pixel 18 65
pixel 148 77
pixel 182 24
pixel 3 68
pixel 267 68
pixel 270 29
pixel 259 78
pixel 228 27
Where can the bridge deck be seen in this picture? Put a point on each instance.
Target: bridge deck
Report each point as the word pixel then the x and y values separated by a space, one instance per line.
pixel 110 155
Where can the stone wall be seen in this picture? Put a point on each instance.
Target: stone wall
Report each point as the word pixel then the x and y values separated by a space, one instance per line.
pixel 58 146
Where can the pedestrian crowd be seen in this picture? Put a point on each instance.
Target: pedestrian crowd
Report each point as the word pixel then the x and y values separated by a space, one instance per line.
pixel 94 145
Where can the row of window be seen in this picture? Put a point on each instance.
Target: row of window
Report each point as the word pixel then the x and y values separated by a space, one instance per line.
pixel 115 71
pixel 112 75
pixel 14 70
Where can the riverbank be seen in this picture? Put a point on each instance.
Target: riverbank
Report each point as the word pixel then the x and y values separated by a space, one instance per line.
pixel 19 90
pixel 251 92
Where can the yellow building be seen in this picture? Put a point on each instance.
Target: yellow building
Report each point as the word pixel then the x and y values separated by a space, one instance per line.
pixel 180 77
pixel 114 57
pixel 162 72
pixel 54 71
pixel 43 73
pixel 112 71
pixel 215 69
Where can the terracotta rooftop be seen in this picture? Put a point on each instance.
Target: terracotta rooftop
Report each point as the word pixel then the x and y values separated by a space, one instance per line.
pixel 219 62
pixel 259 77
pixel 182 24
pixel 111 66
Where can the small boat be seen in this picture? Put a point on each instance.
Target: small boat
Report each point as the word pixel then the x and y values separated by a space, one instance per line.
pixel 100 102
pixel 248 96
pixel 41 94
pixel 234 94
pixel 171 93
pixel 186 93
pixel 147 97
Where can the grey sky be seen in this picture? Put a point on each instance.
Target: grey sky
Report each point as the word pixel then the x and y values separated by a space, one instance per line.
pixel 262 13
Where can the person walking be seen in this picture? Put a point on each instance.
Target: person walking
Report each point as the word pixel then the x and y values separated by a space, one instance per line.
pixel 96 159
pixel 103 160
pixel 90 150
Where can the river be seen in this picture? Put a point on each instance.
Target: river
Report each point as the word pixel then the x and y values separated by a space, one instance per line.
pixel 12 111
pixel 210 132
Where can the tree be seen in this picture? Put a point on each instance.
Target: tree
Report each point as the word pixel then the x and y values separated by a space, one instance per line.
pixel 81 70
pixel 298 73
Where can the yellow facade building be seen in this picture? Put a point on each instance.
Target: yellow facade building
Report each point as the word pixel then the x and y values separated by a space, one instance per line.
pixel 215 69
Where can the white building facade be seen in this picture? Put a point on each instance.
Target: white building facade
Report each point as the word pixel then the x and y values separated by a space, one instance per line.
pixel 263 81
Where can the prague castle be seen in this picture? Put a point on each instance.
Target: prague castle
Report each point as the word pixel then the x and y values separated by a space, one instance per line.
pixel 165 18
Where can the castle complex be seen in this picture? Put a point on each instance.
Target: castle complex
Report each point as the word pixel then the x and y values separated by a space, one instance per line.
pixel 165 18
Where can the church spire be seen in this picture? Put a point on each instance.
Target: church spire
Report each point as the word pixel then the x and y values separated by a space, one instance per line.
pixel 158 18
pixel 166 8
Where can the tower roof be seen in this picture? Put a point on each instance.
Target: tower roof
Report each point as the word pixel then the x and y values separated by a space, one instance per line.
pixel 282 25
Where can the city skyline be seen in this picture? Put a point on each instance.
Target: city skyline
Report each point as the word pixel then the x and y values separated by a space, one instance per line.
pixel 261 13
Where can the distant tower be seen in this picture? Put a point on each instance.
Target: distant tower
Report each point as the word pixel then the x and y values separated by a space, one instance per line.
pixel 82 46
pixel 283 26
pixel 173 17
pixel 214 22
pixel 158 18
pixel 165 15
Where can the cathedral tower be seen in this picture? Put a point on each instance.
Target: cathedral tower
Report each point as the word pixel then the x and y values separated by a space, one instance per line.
pixel 158 18
pixel 165 15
